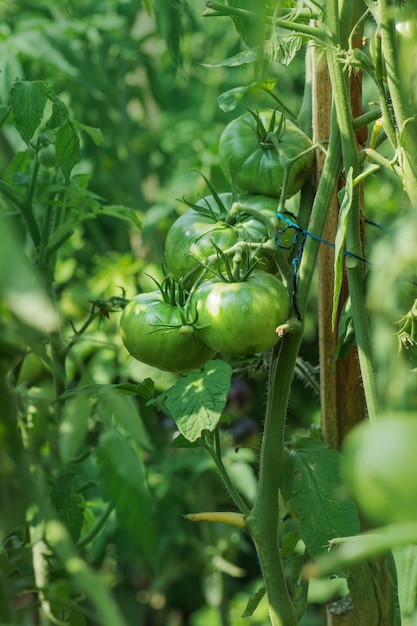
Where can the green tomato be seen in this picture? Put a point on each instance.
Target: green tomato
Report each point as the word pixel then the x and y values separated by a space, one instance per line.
pixel 154 332
pixel 47 156
pixel 240 318
pixel 254 159
pixel 193 236
pixel 380 468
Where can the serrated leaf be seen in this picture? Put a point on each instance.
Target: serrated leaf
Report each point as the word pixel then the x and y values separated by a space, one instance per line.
pixel 310 481
pixel 60 113
pixel 253 602
pixel 124 479
pixel 345 205
pixel 28 101
pixel 196 401
pixel 229 100
pixel 67 146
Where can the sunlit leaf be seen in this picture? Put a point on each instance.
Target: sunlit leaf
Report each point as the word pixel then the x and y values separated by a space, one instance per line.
pixel 196 401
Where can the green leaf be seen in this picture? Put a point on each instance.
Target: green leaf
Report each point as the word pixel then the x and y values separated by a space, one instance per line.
pixel 122 212
pixel 60 113
pixel 253 602
pixel 69 504
pixel 229 100
pixel 67 145
pixel 346 203
pixel 28 101
pixel 311 480
pixel 96 134
pixel 125 484
pixel 196 401
pixel 242 58
pixel 168 17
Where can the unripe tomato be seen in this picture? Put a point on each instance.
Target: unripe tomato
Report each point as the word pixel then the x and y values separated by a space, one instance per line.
pixel 47 156
pixel 380 467
pixel 154 332
pixel 240 318
pixel 254 158
pixel 193 236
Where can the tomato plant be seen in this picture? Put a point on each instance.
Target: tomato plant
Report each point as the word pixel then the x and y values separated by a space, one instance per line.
pixel 256 148
pixel 241 318
pixel 155 332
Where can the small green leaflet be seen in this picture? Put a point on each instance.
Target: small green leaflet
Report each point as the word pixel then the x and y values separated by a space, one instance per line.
pixel 346 203
pixel 197 400
pixel 67 146
pixel 310 481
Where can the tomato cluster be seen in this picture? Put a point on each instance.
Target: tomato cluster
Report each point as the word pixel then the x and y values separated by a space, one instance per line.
pixel 223 293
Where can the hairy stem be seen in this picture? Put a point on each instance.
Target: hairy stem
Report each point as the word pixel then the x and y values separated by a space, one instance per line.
pixel 263 520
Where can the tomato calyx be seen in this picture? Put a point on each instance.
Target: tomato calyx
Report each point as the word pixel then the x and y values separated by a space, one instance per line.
pixel 236 268
pixel 173 293
pixel 268 138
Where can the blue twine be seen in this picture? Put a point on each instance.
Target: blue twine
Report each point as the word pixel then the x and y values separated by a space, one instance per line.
pixel 297 259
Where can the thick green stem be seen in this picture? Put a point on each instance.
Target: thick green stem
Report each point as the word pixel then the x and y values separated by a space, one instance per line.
pixel 404 112
pixel 351 162
pixel 263 520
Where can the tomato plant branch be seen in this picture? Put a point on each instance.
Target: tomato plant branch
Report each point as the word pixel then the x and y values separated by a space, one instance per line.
pixel 214 449
pixel 264 518
pixel 312 32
